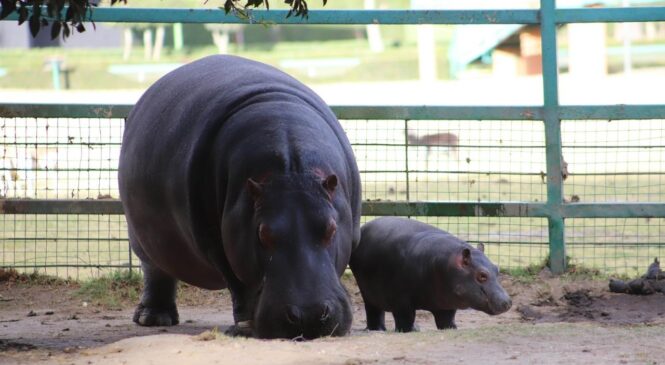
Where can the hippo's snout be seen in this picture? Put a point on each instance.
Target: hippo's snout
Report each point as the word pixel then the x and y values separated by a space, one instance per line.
pixel 498 301
pixel 327 318
pixel 501 306
pixel 298 317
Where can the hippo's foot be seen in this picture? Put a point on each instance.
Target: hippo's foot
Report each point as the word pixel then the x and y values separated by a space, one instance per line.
pixel 240 329
pixel 147 316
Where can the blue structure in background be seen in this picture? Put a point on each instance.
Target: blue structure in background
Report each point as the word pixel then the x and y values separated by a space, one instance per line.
pixel 472 42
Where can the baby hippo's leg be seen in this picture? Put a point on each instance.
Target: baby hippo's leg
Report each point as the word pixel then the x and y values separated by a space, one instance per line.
pixel 445 319
pixel 404 320
pixel 375 318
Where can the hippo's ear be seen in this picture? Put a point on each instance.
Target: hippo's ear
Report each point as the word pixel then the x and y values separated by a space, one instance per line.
pixel 254 189
pixel 466 257
pixel 330 184
pixel 481 247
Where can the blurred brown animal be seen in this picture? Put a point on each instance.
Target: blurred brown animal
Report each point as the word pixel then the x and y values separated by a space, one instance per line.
pixel 449 140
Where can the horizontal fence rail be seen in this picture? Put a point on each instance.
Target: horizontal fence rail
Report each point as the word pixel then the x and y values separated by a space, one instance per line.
pixel 361 17
pixel 372 112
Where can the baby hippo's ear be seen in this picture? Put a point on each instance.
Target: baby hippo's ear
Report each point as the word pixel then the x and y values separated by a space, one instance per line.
pixel 466 257
pixel 481 247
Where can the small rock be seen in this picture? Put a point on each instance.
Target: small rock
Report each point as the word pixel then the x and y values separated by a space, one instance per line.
pixel 65 329
pixel 49 313
pixel 73 317
pixel 69 350
pixel 32 313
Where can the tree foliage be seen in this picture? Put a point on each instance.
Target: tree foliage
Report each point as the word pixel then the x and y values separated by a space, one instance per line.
pixel 69 15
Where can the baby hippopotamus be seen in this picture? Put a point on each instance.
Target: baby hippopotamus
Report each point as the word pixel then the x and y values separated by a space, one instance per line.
pixel 402 265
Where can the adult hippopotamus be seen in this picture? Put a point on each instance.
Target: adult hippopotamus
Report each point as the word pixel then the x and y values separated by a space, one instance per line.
pixel 402 265
pixel 234 174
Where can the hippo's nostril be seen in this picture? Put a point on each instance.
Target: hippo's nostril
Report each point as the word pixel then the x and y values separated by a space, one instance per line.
pixel 293 314
pixel 325 314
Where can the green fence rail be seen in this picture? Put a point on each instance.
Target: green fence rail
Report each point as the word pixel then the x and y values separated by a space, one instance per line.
pixel 551 113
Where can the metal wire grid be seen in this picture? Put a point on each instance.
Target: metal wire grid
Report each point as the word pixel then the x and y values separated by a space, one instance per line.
pixel 59 158
pixel 615 161
pixel 76 246
pixel 615 245
pixel 449 160
pixel 493 161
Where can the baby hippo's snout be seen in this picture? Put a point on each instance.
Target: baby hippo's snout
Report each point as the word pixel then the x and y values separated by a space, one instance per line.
pixel 502 305
pixel 498 301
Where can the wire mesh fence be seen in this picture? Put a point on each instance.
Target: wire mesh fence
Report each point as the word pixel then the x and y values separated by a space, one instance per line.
pixel 400 160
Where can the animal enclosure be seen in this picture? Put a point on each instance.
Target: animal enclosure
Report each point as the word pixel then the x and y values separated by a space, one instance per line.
pixel 487 174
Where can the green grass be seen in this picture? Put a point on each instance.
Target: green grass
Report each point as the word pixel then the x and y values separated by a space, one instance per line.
pixel 89 68
pixel 113 290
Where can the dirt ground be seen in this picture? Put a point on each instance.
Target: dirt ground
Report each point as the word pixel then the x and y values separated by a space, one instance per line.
pixel 553 321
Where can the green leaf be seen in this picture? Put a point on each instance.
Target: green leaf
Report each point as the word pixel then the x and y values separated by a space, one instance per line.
pixel 8 7
pixel 34 25
pixel 65 31
pixel 55 29
pixel 22 14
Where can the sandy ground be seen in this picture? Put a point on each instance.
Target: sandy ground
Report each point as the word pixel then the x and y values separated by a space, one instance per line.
pixel 552 321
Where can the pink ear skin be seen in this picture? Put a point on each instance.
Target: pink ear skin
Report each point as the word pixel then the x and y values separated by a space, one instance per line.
pixel 330 184
pixel 254 189
pixel 463 259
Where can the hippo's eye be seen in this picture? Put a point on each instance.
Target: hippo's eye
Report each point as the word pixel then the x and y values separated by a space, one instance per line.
pixel 482 277
pixel 266 238
pixel 331 228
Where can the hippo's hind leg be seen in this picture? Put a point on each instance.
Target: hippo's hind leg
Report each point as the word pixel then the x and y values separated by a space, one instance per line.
pixel 405 320
pixel 445 319
pixel 376 318
pixel 157 306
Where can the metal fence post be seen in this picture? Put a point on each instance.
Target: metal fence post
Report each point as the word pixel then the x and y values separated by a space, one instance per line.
pixel 556 226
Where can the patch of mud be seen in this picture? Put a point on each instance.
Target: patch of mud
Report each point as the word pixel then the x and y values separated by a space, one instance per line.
pixel 550 300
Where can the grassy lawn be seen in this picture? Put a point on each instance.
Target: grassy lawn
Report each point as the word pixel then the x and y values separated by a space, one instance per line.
pixel 90 68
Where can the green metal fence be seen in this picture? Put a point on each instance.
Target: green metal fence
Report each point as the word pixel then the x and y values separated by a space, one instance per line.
pixel 522 212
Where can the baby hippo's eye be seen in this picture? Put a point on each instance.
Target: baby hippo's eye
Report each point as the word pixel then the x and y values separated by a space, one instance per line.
pixel 482 277
pixel 331 228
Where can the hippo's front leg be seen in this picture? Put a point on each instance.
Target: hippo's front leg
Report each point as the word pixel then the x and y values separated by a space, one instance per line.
pixel 445 319
pixel 157 307
pixel 244 304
